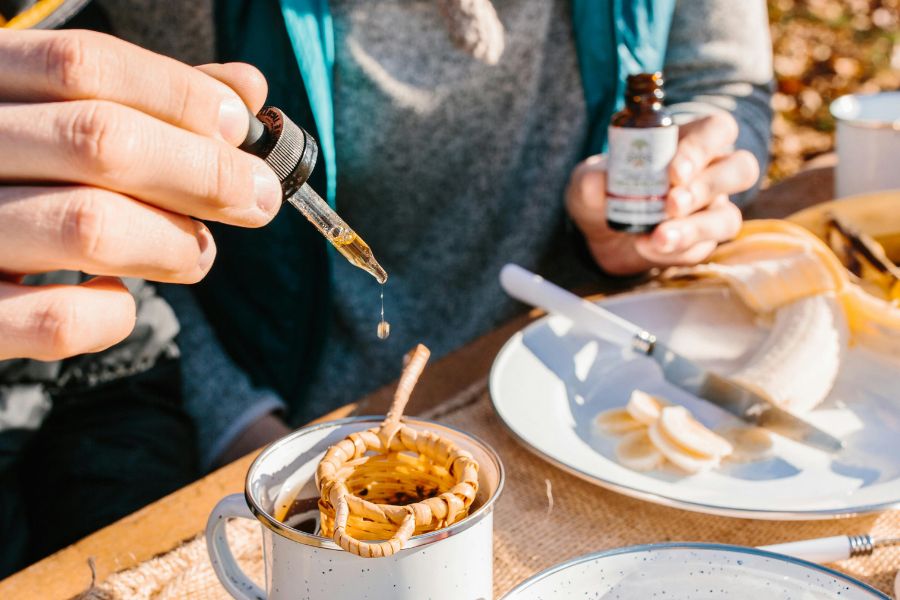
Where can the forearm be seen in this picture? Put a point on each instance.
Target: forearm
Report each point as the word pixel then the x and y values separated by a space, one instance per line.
pixel 720 58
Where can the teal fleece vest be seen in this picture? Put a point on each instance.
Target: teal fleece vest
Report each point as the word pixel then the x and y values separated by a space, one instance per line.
pixel 267 295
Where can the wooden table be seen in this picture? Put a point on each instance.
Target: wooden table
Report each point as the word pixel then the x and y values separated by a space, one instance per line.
pixel 180 516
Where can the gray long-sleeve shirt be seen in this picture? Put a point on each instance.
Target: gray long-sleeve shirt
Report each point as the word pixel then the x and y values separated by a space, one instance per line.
pixel 451 168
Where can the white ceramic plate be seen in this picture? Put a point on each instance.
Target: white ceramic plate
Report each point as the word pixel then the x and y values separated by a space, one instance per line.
pixel 696 571
pixel 550 381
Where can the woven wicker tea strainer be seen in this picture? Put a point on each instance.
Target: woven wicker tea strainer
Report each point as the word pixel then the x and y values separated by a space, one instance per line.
pixel 379 487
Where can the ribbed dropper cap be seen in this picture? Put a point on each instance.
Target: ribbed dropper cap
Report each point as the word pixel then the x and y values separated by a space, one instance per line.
pixel 284 145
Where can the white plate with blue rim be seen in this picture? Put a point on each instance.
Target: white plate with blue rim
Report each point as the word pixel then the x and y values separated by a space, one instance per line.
pixel 551 379
pixel 676 571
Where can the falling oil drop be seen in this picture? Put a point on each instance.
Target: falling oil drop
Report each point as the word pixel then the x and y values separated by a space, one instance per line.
pixel 384 328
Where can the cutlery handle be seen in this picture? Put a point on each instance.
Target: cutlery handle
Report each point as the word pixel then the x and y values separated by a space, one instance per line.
pixel 822 550
pixel 537 291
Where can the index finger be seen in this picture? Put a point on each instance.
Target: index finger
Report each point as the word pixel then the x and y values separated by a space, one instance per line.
pixel 700 142
pixel 48 66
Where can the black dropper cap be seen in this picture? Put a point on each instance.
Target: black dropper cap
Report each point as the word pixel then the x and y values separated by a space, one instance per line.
pixel 284 145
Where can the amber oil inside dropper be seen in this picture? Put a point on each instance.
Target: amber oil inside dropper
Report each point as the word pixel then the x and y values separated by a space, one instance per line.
pixel 341 236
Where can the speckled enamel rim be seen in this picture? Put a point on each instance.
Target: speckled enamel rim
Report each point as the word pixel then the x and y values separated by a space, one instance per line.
pixel 419 540
pixel 510 595
pixel 710 509
pixel 835 106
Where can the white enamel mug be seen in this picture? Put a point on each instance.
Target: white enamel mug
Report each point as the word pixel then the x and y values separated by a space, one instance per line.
pixel 455 563
pixel 868 143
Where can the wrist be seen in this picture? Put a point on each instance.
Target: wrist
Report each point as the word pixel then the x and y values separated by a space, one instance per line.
pixel 616 255
pixel 262 431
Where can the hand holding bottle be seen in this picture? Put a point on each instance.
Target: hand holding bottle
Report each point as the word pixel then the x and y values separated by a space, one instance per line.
pixel 703 173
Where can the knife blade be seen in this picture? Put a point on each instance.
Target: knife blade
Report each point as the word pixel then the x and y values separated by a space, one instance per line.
pixel 748 404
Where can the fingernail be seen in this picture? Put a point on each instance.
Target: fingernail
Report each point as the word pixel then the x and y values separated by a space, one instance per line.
pixel 683 169
pixel 207 248
pixel 682 200
pixel 233 120
pixel 671 238
pixel 266 188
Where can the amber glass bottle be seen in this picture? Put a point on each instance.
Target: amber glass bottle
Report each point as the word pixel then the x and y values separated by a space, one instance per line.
pixel 642 142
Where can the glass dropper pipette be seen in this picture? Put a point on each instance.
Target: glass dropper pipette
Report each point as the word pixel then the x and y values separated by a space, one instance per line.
pixel 344 239
pixel 291 152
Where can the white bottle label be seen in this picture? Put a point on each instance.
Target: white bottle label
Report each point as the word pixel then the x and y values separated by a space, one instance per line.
pixel 638 173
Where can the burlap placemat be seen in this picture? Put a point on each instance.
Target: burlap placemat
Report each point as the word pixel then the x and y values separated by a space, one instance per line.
pixel 544 517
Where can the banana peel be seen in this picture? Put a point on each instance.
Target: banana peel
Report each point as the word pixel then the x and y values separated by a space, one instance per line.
pixel 865 258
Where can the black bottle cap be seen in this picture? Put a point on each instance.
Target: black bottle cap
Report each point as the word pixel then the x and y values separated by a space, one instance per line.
pixel 284 145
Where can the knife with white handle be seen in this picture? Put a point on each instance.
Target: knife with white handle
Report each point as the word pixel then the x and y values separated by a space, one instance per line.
pixel 739 400
pixel 533 289
pixel 831 549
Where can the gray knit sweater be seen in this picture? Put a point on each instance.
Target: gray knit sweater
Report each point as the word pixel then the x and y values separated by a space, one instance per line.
pixel 449 168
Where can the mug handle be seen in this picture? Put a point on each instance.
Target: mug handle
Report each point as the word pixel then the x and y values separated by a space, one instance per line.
pixel 227 570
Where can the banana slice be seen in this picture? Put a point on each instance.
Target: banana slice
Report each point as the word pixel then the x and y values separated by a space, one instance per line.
pixel 749 443
pixel 644 407
pixel 681 457
pixel 617 421
pixel 638 453
pixel 681 427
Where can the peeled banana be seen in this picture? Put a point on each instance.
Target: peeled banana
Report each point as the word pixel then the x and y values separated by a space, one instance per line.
pixel 783 271
pixel 872 321
pixel 798 362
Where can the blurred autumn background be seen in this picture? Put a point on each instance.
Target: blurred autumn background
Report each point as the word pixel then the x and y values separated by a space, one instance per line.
pixel 823 50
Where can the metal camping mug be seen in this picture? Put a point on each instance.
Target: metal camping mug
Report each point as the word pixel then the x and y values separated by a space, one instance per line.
pixel 868 143
pixel 452 563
